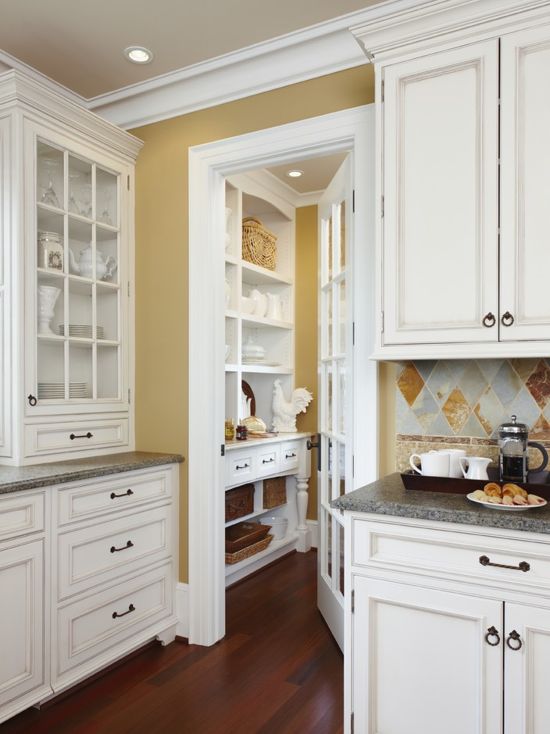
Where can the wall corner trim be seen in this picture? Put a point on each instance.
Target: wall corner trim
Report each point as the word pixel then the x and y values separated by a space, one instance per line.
pixel 182 609
pixel 313 527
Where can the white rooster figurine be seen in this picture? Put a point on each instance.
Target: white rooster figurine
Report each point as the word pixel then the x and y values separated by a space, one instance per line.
pixel 285 412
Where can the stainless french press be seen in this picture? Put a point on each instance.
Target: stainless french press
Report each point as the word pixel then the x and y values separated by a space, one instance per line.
pixel 514 444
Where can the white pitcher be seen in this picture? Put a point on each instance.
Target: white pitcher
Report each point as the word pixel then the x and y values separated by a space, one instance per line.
pixel 274 307
pixel 261 302
pixel 477 467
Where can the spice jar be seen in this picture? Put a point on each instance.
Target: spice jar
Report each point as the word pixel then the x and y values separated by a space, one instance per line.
pixel 229 430
pixel 242 433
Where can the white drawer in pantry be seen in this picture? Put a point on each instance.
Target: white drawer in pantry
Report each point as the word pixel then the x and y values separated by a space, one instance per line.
pixel 20 514
pixel 95 625
pixel 239 467
pixel 75 436
pixel 289 455
pixel 112 495
pixel 268 461
pixel 479 558
pixel 98 553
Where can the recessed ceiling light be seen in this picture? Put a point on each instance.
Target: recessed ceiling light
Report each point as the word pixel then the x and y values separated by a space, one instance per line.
pixel 295 173
pixel 138 54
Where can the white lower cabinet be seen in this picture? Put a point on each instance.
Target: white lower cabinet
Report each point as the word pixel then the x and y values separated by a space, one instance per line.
pixel 88 572
pixel 435 646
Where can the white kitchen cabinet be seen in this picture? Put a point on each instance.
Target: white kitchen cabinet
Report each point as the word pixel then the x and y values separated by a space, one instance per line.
pixel 420 661
pixel 440 222
pixel 463 120
pixel 65 288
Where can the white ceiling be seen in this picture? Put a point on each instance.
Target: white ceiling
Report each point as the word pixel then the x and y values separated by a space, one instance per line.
pixel 79 43
pixel 318 172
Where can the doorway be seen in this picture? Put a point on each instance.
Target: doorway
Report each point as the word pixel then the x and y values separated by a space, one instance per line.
pixel 209 166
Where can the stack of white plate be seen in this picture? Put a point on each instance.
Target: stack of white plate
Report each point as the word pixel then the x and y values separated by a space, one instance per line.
pixel 83 331
pixel 56 390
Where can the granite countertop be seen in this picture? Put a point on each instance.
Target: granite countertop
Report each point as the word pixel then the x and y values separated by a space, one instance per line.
pixel 388 496
pixel 16 478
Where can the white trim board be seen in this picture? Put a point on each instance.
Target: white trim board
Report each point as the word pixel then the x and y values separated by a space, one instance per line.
pixel 182 609
pixel 349 130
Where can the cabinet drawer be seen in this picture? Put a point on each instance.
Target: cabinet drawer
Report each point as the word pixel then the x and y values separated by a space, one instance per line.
pixel 92 555
pixel 95 625
pixel 239 467
pixel 289 455
pixel 79 503
pixel 75 436
pixel 451 553
pixel 21 514
pixel 268 461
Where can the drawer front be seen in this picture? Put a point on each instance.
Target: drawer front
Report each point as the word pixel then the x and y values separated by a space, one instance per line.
pixel 240 467
pixel 21 514
pixel 75 436
pixel 95 625
pixel 268 461
pixel 92 555
pixel 82 502
pixel 478 558
pixel 289 455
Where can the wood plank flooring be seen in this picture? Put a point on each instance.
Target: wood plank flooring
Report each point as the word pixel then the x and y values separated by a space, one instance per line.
pixel 277 671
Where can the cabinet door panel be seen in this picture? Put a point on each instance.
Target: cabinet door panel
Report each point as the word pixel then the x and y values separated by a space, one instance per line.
pixel 525 184
pixel 440 195
pixel 421 663
pixel 527 670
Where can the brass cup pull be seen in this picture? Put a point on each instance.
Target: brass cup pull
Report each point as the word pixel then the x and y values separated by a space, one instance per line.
pixel 522 565
pixel 492 632
pixel 489 320
pixel 507 319
pixel 129 544
pixel 514 641
pixel 131 608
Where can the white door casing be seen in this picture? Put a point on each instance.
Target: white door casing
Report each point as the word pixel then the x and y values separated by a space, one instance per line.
pixel 348 130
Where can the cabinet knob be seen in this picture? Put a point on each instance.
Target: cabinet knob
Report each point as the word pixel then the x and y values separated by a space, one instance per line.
pixel 489 320
pixel 514 641
pixel 492 634
pixel 507 319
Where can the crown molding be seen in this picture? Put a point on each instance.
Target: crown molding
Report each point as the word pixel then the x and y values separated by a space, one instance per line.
pixel 409 26
pixel 296 198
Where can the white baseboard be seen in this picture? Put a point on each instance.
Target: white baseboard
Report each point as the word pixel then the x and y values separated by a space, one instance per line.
pixel 182 609
pixel 313 526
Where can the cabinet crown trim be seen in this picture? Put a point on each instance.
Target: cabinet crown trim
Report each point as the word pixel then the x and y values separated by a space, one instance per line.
pixel 407 27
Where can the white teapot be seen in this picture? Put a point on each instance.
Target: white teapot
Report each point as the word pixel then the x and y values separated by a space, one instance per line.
pixel 104 268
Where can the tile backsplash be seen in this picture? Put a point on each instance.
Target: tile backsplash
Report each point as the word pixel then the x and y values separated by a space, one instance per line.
pixel 464 401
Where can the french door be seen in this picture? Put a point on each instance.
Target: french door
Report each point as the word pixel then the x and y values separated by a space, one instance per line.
pixel 335 389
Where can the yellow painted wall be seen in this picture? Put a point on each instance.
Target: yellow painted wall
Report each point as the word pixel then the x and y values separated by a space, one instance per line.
pixel 306 330
pixel 162 245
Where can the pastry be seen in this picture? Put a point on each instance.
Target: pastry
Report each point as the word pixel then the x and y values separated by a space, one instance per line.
pixel 480 495
pixel 492 489
pixel 519 500
pixel 534 499
pixel 513 490
pixel 507 500
pixel 494 500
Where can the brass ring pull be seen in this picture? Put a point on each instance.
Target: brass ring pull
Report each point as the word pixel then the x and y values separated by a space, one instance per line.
pixel 32 400
pixel 492 632
pixel 489 320
pixel 507 319
pixel 514 636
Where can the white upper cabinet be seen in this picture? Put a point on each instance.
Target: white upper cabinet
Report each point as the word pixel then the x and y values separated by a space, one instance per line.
pixel 440 151
pixel 525 184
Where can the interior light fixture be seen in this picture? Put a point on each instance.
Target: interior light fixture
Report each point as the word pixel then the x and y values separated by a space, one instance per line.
pixel 295 173
pixel 138 54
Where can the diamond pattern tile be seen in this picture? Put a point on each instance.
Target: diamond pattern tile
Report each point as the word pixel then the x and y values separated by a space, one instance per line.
pixel 440 383
pixel 489 411
pixel 425 409
pixel 472 383
pixel 506 384
pixel 456 410
pixel 538 384
pixel 410 383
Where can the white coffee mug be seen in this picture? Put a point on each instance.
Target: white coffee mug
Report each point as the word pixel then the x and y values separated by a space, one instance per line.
pixel 455 469
pixel 432 464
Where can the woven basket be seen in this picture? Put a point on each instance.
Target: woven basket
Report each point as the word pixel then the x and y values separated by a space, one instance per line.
pixel 250 550
pixel 259 245
pixel 274 492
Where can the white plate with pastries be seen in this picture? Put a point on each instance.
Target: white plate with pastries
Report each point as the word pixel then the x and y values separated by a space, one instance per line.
pixel 509 497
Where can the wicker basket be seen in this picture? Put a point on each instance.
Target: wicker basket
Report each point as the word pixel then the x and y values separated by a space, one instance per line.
pixel 250 550
pixel 274 492
pixel 259 245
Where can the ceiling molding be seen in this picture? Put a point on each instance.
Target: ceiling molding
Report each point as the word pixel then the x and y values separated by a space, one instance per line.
pixel 296 198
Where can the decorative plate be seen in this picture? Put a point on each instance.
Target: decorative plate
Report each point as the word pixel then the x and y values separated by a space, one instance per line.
pixel 512 508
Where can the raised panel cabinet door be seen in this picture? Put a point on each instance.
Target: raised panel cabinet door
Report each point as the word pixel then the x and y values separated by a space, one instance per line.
pixel 525 185
pixel 422 663
pixel 527 667
pixel 440 184
pixel 22 621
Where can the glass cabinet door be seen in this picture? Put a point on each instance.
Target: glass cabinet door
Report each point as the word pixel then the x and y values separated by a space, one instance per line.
pixel 78 299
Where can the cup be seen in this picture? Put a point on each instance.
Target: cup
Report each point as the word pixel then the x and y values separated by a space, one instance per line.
pixel 432 464
pixel 477 467
pixel 455 469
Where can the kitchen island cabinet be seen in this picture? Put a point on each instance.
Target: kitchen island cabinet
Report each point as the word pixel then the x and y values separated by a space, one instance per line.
pixel 435 639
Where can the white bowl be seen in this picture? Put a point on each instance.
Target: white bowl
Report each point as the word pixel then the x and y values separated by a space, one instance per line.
pixel 279 525
pixel 247 305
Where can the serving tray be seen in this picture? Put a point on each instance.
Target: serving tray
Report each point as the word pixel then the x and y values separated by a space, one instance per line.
pixel 450 485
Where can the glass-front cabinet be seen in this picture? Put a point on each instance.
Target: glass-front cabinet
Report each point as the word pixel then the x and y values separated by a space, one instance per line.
pixel 67 198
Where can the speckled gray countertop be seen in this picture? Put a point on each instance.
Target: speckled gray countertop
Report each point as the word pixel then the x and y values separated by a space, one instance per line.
pixel 388 496
pixel 16 478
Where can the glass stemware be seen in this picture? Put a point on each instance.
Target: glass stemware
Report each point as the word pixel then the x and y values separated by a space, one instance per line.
pixel 49 168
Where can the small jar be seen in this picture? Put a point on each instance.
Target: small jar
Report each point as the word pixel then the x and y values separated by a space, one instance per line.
pixel 242 433
pixel 229 430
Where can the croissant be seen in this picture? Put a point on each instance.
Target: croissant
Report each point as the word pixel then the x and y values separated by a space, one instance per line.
pixel 518 499
pixel 534 499
pixel 513 490
pixel 492 489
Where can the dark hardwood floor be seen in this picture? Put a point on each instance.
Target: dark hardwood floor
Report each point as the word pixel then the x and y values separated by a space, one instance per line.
pixel 277 671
